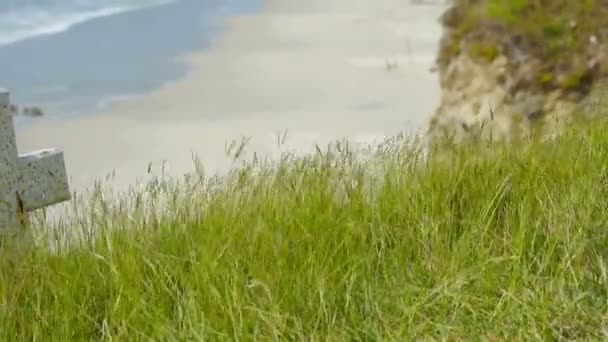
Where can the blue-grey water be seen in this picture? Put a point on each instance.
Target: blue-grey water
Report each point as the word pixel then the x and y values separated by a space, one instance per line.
pixel 71 57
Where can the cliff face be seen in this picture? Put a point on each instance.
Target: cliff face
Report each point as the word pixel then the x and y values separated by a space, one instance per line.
pixel 506 71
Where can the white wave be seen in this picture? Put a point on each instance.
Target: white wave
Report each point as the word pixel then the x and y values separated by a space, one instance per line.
pixel 24 23
pixel 116 99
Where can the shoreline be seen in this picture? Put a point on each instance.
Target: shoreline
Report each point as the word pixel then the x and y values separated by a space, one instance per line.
pixel 316 70
pixel 69 75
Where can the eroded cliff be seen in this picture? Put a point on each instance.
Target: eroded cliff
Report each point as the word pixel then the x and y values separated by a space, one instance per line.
pixel 515 67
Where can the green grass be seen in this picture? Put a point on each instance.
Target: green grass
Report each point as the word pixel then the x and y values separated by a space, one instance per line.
pixel 509 246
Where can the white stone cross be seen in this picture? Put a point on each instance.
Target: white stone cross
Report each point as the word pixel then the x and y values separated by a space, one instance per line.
pixel 29 181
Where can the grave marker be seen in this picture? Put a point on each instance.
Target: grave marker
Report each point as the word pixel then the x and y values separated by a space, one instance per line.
pixel 29 181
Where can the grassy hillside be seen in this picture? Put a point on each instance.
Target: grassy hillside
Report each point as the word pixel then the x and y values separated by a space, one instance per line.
pixel 510 246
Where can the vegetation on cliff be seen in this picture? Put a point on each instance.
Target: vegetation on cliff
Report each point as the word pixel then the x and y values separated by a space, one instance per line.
pixel 561 43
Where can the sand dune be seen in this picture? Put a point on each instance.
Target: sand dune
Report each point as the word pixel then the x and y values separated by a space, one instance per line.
pixel 319 69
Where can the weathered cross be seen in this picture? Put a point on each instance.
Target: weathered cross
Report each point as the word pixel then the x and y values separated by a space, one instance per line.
pixel 29 181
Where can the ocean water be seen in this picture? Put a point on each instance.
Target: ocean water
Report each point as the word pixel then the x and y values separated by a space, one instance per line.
pixel 73 57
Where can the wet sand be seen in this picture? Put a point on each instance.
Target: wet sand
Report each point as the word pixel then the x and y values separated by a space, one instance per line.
pixel 315 69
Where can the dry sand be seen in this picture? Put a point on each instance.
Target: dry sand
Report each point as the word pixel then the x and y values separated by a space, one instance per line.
pixel 314 68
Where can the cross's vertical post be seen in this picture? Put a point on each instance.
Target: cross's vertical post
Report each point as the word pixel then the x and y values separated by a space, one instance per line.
pixel 9 206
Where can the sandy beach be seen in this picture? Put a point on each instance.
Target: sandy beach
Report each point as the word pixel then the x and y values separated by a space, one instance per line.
pixel 316 69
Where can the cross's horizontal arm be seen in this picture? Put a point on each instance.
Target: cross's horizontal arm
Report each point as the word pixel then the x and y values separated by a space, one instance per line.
pixel 42 179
